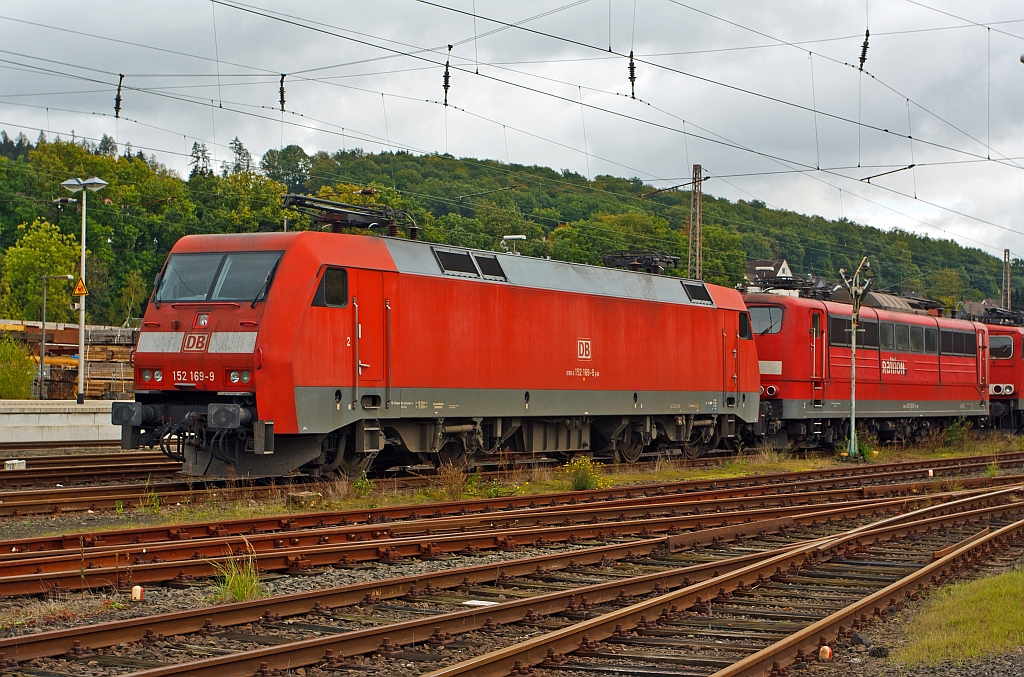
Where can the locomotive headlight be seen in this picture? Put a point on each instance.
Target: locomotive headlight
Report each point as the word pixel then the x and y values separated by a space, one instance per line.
pixel 234 377
pixel 147 375
pixel 158 375
pixel 245 377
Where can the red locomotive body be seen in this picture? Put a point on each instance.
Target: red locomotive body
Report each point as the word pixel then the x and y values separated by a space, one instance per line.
pixel 1006 365
pixel 263 353
pixel 914 371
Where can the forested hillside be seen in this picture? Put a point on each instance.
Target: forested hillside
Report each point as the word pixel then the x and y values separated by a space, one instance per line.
pixel 133 223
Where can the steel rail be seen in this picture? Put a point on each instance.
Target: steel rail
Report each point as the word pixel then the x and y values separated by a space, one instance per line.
pixel 566 640
pixel 34 476
pixel 51 643
pixel 291 522
pixel 762 663
pixel 99 498
pixel 89 544
pixel 725 573
pixel 303 552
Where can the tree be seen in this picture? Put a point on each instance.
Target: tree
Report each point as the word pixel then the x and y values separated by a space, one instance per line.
pixel 16 370
pixel 289 166
pixel 107 146
pixel 133 291
pixel 200 161
pixel 243 163
pixel 42 250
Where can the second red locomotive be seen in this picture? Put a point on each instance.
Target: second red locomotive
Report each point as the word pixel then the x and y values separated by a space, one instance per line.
pixel 915 371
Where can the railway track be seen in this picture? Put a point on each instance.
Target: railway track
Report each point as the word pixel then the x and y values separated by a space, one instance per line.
pixel 83 468
pixel 691 603
pixel 110 497
pixel 182 559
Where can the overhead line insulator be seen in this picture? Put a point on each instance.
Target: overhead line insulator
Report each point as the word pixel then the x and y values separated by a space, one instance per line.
pixel 864 49
pixel 632 76
pixel 447 76
pixel 282 92
pixel 117 99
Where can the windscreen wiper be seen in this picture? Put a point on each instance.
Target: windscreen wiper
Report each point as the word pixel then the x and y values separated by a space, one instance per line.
pixel 266 284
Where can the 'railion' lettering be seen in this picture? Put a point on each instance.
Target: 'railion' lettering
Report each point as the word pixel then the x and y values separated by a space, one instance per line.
pixel 894 367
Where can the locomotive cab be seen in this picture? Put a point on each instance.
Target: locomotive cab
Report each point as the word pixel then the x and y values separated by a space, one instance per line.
pixel 197 362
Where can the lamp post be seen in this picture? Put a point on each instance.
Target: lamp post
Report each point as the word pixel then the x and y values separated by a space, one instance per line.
pixel 857 291
pixel 42 340
pixel 75 185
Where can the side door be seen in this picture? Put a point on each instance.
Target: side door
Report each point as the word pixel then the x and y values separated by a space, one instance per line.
pixel 370 330
pixel 819 355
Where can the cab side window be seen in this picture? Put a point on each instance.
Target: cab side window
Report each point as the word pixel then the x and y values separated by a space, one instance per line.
pixel 332 291
pixel 745 332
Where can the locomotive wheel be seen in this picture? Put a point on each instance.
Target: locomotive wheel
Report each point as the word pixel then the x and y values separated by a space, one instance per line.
pixel 453 453
pixel 630 453
pixel 353 465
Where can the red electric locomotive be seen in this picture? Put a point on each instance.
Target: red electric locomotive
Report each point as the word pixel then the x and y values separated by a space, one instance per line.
pixel 260 354
pixel 914 371
pixel 1006 365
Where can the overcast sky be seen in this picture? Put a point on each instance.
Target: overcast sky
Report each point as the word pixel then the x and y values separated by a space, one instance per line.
pixel 759 93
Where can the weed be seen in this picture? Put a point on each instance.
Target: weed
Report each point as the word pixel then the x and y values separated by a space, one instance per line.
pixel 992 469
pixel 453 481
pixel 582 474
pixel 114 605
pixel 363 486
pixel 119 508
pixel 956 434
pixel 238 578
pixel 767 453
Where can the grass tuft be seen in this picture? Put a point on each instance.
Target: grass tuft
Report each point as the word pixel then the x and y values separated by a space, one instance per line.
pixel 452 481
pixel 238 578
pixel 968 620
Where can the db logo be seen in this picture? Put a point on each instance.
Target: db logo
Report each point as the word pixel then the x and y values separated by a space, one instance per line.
pixel 195 343
pixel 583 349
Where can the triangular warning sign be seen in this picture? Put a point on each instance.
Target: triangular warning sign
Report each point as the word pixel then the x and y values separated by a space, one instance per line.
pixel 80 289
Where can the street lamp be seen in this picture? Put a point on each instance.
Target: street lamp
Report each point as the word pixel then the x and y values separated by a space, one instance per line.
pixel 857 291
pixel 75 185
pixel 42 341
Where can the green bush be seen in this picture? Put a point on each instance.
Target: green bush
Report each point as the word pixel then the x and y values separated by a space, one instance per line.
pixel 16 370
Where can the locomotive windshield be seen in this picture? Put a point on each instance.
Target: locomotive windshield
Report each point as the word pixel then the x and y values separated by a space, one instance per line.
pixel 766 319
pixel 237 276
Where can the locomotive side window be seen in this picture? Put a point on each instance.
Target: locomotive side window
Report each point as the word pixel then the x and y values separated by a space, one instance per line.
pixel 332 291
pixel 839 331
pixel 958 343
pixel 917 339
pixel 902 337
pixel 886 339
pixel 970 344
pixel 745 332
pixel 490 266
pixel 766 319
pixel 947 342
pixel 1000 347
pixel 867 334
pixel 698 293
pixel 931 340
pixel 456 263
